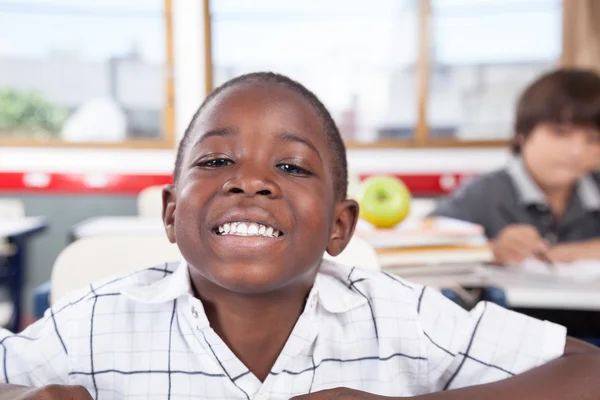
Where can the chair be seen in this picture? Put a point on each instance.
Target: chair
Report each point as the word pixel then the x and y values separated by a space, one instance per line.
pixel 358 253
pixel 91 259
pixel 149 202
pixel 9 209
pixel 112 255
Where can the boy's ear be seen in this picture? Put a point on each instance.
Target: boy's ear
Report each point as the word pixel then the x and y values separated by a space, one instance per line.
pixel 346 216
pixel 168 211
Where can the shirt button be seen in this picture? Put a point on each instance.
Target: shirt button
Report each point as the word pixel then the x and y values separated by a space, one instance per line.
pixel 194 312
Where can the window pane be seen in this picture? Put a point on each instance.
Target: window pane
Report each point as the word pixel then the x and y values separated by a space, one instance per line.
pixel 357 56
pixel 484 52
pixel 82 71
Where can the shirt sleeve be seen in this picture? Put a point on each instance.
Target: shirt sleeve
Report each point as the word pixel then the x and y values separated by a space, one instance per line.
pixel 487 344
pixel 37 356
pixel 466 203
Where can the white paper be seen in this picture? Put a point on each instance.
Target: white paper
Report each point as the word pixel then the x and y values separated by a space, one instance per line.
pixel 534 269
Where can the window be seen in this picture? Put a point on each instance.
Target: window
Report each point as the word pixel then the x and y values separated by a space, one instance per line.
pixel 396 72
pixel 482 54
pixel 83 73
pixel 348 52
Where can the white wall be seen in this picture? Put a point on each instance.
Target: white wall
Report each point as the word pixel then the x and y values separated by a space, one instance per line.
pixel 429 161
pixel 189 91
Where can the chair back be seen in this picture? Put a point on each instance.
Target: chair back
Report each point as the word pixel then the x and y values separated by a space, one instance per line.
pixel 149 202
pixel 91 259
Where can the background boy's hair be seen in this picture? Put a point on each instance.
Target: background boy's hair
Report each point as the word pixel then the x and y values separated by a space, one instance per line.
pixel 564 96
pixel 335 141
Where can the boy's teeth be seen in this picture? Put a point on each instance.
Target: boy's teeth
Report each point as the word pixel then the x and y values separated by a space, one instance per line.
pixel 252 229
pixel 248 229
pixel 242 228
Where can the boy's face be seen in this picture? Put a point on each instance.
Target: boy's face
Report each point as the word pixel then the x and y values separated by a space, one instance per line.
pixel 559 154
pixel 258 159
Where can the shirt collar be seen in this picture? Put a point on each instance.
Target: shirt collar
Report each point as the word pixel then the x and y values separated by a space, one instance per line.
pixel 529 192
pixel 589 193
pixel 166 289
pixel 333 289
pixel 330 289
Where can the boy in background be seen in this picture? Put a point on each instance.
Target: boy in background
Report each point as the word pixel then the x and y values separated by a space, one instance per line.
pixel 546 203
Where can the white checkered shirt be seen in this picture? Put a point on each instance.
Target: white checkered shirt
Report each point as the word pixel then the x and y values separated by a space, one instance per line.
pixel 146 336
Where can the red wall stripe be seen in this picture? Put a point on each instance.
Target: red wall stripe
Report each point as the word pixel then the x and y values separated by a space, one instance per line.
pixel 47 183
pixel 42 182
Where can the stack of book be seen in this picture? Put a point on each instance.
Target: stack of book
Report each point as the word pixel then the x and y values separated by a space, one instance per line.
pixel 430 245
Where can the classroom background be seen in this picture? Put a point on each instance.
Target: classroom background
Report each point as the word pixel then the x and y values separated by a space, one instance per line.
pixel 94 97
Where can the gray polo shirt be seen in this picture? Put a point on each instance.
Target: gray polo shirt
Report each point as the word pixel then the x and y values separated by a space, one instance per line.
pixel 510 196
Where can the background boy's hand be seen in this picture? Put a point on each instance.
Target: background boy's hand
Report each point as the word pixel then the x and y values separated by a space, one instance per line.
pixel 566 252
pixel 338 394
pixel 516 243
pixel 51 392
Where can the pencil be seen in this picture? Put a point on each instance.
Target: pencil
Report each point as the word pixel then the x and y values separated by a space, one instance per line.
pixel 543 256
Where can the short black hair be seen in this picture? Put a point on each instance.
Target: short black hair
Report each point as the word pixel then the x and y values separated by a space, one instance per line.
pixel 335 141
pixel 563 96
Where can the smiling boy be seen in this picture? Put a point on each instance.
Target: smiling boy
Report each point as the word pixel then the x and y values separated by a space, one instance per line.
pixel 255 313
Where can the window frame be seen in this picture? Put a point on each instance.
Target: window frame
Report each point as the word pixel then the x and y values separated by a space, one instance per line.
pixel 421 138
pixel 167 139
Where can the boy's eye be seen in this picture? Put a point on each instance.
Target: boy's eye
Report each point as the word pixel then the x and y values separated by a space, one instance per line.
pixel 216 163
pixel 293 169
pixel 594 137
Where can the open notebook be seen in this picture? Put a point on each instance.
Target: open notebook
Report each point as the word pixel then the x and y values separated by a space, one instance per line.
pixel 533 269
pixel 479 253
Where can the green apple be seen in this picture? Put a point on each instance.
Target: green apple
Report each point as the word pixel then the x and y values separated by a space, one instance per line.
pixel 384 201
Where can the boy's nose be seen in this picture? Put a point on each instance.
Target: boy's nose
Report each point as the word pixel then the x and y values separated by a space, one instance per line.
pixel 251 185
